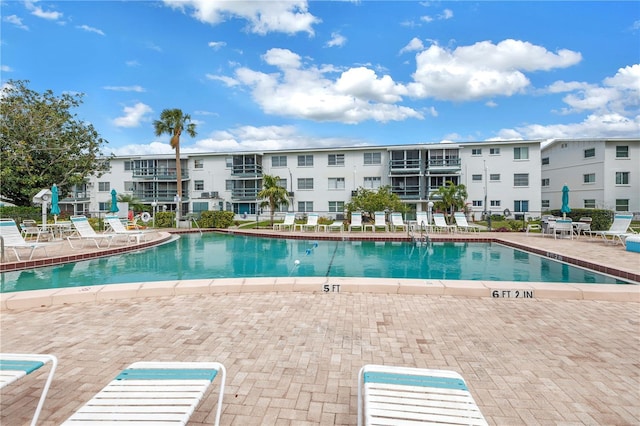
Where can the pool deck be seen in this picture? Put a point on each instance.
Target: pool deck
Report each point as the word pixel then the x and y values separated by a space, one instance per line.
pixel 563 357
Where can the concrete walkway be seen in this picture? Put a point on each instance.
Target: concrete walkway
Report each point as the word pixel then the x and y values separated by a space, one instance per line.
pixel 293 356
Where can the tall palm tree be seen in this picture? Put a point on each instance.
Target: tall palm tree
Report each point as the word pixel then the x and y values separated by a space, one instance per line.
pixel 173 122
pixel 273 194
pixel 450 198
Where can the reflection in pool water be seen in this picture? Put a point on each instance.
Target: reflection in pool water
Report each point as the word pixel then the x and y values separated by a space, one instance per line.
pixel 227 256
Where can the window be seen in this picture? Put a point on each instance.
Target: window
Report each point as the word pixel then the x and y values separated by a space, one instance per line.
pixel 622 205
pixel 521 153
pixel 336 206
pixel 588 153
pixel 589 178
pixel 336 183
pixel 372 182
pixel 305 206
pixel 229 162
pixel 198 164
pixel 305 183
pixel 336 159
pixel 544 204
pixel 372 158
pixel 545 161
pixel 200 206
pixel 477 203
pixel 476 151
pixel 495 203
pixel 476 178
pixel 521 179
pixel 545 182
pixel 198 185
pixel 622 178
pixel 103 206
pixel 494 151
pixel 282 183
pixel 305 160
pixel 279 161
pixel 228 185
pixel 128 165
pixel 494 177
pixel 590 204
pixel 521 205
pixel 104 186
pixel 622 151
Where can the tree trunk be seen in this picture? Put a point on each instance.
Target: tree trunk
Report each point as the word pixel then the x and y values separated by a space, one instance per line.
pixel 179 182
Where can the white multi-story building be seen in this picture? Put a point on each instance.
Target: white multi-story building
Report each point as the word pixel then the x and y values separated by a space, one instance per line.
pixel 501 177
pixel 600 173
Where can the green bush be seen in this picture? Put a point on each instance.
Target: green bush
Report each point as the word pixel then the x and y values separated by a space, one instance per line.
pixel 165 219
pixel 216 219
pixel 21 213
pixel 600 219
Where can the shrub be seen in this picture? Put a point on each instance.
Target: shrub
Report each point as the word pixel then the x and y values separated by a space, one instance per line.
pixel 216 219
pixel 165 219
pixel 600 219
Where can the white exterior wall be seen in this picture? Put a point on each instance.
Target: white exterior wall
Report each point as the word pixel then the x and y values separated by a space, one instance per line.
pixel 504 164
pixel 568 165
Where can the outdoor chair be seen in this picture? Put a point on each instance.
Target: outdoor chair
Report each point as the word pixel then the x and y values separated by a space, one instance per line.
pixel 410 396
pixel 379 222
pixel 118 228
pixel 87 233
pixel 462 224
pixel 397 222
pixel 563 227
pixel 312 223
pixel 356 221
pixel 619 227
pixel 440 223
pixel 13 239
pixel 31 229
pixel 289 223
pixel 16 366
pixel 153 393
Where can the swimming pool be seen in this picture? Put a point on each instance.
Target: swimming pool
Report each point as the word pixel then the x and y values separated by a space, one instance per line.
pixel 225 256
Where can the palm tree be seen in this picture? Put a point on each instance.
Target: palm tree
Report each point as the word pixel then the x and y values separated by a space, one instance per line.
pixel 173 122
pixel 134 203
pixel 450 197
pixel 273 194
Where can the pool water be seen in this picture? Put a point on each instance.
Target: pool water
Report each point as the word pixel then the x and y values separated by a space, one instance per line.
pixel 195 256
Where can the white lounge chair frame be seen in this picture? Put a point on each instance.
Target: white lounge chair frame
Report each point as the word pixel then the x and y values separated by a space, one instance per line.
pixel 380 221
pixel 289 223
pixel 356 221
pixel 462 224
pixel 401 395
pixel 87 233
pixel 422 222
pixel 397 222
pixel 16 366
pixel 312 223
pixel 13 239
pixel 618 228
pixel 153 392
pixel 440 223
pixel 118 228
pixel 337 225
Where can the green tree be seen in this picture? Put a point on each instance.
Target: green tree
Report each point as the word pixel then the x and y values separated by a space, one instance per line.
pixel 173 122
pixel 370 201
pixel 42 142
pixel 134 203
pixel 272 194
pixel 450 198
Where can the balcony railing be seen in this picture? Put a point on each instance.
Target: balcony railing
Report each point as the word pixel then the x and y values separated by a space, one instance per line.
pixel 160 173
pixel 405 166
pixel 443 164
pixel 166 196
pixel 76 196
pixel 244 193
pixel 410 192
pixel 252 170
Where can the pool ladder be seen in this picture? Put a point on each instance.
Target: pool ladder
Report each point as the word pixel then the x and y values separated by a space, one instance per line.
pixel 421 239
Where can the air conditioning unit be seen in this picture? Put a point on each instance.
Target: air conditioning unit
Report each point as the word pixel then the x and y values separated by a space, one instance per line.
pixel 215 194
pixel 204 195
pixel 340 216
pixel 354 193
pixel 290 194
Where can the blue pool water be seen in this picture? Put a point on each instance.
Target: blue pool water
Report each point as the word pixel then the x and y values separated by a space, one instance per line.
pixel 225 256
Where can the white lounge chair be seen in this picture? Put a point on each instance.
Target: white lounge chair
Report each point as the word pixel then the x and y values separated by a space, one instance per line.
pixel 380 221
pixel 289 223
pixel 337 225
pixel 31 229
pixel 410 396
pixel 87 233
pixel 16 366
pixel 397 222
pixel 13 239
pixel 118 228
pixel 422 222
pixel 356 221
pixel 462 224
pixel 440 223
pixel 312 223
pixel 619 227
pixel 152 392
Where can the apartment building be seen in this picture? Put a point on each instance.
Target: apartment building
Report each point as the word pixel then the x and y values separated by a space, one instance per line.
pixel 600 173
pixel 500 176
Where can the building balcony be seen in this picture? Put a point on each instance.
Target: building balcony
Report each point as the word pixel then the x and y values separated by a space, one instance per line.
pixel 247 170
pixel 441 165
pixel 161 173
pixel 76 197
pixel 404 167
pixel 159 196
pixel 407 192
pixel 245 194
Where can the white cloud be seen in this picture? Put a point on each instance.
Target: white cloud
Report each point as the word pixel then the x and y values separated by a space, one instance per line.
pixel 446 14
pixel 229 81
pixel 287 16
pixel 216 45
pixel 308 92
pixel 337 39
pixel 132 63
pixel 91 29
pixel 15 20
pixel 125 88
pixel 414 45
pixel 153 148
pixel 5 68
pixel 133 116
pixel 40 13
pixel 483 69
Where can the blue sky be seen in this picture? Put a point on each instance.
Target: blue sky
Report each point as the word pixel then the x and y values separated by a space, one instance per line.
pixel 265 75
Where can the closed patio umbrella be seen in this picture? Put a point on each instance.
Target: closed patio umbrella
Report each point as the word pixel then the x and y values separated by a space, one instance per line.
pixel 565 201
pixel 114 202
pixel 55 208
